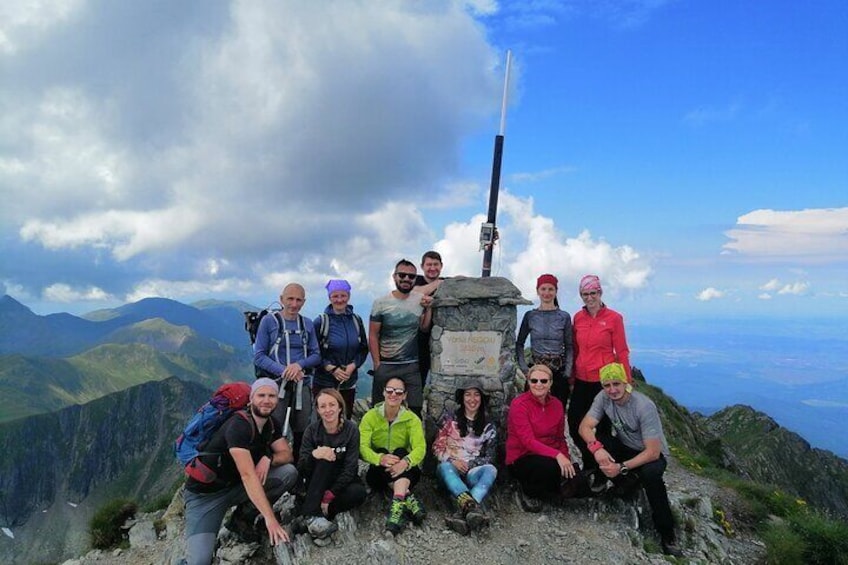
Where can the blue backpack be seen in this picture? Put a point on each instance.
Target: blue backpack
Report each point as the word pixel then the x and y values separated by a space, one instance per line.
pixel 229 399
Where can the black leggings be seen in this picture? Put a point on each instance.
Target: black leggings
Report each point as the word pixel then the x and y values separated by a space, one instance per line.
pixel 323 475
pixel 379 479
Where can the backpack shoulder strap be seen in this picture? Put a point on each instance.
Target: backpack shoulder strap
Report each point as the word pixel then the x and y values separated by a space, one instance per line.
pixel 357 322
pixel 324 331
pixel 244 414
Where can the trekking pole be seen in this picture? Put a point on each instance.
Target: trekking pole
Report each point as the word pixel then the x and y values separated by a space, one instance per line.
pixel 286 422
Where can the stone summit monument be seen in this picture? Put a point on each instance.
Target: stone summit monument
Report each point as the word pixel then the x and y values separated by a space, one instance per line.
pixel 473 340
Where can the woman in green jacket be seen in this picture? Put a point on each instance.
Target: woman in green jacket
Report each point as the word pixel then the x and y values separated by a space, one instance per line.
pixel 391 440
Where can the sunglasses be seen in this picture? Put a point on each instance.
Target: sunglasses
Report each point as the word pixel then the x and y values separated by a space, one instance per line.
pixel 396 391
pixel 402 276
pixel 540 381
pixel 588 294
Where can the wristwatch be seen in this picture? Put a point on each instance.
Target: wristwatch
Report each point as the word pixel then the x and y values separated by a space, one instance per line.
pixel 624 469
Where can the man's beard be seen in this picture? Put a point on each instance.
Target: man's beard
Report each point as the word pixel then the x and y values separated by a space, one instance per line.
pixel 403 290
pixel 257 411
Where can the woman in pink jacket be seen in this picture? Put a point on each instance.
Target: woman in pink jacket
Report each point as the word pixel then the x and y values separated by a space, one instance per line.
pixel 598 340
pixel 536 449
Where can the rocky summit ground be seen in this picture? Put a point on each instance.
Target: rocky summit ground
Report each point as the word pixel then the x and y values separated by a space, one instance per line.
pixel 582 531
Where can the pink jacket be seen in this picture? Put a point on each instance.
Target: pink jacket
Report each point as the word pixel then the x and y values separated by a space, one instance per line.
pixel 597 342
pixel 535 428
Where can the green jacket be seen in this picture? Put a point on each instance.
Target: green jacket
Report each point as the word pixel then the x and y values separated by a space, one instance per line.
pixel 406 431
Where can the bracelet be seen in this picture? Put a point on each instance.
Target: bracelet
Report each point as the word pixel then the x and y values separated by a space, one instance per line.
pixel 594 446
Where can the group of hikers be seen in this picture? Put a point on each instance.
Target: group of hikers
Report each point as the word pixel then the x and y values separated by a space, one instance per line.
pixel 307 372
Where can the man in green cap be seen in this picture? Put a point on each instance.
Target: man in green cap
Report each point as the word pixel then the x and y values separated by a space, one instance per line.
pixel 635 451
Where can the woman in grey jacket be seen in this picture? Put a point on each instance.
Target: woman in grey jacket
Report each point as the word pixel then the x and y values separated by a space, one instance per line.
pixel 549 329
pixel 329 463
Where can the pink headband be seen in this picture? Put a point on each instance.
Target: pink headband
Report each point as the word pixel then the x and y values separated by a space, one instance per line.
pixel 590 282
pixel 547 279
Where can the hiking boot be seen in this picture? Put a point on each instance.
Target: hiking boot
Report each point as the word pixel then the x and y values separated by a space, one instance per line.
pixel 464 502
pixel 415 509
pixel 626 486
pixel 242 523
pixel 320 527
pixel 527 503
pixel 457 523
pixel 397 516
pixel 474 517
pixel 598 483
pixel 671 548
pixel 298 525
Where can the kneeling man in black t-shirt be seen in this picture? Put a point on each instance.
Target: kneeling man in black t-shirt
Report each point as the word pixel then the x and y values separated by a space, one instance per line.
pixel 250 462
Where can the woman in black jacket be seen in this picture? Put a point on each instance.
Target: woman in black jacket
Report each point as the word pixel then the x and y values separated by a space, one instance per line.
pixel 329 462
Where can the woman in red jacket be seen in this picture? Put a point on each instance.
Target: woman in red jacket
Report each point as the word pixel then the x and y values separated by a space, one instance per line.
pixel 598 340
pixel 536 449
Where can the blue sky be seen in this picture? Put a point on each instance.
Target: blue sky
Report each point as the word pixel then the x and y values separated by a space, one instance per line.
pixel 693 154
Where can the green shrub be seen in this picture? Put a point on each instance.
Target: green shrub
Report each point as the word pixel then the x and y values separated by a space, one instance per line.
pixel 766 500
pixel 825 539
pixel 783 545
pixel 105 525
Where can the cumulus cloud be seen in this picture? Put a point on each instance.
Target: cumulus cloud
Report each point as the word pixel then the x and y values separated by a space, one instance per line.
pixel 811 235
pixel 253 110
pixel 775 285
pixel 530 244
pixel 794 288
pixel 772 284
pixel 230 148
pixel 710 293
pixel 60 292
pixel 764 296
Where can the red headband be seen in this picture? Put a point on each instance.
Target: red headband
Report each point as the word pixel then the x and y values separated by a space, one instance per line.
pixel 547 279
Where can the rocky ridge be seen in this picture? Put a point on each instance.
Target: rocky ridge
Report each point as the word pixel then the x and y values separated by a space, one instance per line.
pixel 600 530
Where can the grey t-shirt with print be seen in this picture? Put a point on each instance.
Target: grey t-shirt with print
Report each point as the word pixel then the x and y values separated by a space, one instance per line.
pixel 632 422
pixel 399 319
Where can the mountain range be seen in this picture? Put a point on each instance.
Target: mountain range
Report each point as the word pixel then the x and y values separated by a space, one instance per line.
pixel 89 407
pixel 49 362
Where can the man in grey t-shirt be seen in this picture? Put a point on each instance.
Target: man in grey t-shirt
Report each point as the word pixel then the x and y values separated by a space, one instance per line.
pixel 393 336
pixel 635 451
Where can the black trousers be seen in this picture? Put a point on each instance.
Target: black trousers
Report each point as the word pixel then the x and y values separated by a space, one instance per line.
pixel 581 400
pixel 323 476
pixel 650 478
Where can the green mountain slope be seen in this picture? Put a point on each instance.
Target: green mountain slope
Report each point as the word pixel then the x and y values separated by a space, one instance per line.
pixel 151 350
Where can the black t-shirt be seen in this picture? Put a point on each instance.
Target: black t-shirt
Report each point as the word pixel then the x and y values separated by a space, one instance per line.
pixel 238 431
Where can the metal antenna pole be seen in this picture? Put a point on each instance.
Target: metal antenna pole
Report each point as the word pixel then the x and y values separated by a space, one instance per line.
pixel 488 231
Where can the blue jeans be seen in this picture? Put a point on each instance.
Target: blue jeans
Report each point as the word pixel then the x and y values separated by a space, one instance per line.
pixel 478 480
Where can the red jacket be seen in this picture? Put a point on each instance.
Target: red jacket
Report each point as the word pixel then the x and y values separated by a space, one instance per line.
pixel 597 342
pixel 534 428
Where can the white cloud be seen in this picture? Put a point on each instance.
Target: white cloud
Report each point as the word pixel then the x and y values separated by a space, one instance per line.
pixel 23 23
pixel 60 292
pixel 301 114
pixel 771 285
pixel 764 296
pixel 812 235
pixel 534 176
pixel 188 289
pixel 794 288
pixel 710 293
pixel 530 244
pixel 705 115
